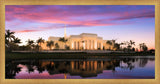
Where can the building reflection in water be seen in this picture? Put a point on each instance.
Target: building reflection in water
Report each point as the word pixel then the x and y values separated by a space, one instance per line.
pixel 83 68
pixel 86 68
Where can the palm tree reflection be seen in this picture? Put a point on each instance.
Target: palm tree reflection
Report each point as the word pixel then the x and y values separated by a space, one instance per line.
pixel 83 68
pixel 11 69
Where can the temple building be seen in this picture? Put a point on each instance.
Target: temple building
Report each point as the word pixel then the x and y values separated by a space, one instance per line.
pixel 84 41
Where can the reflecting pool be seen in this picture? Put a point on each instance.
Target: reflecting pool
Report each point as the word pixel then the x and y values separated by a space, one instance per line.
pixel 137 67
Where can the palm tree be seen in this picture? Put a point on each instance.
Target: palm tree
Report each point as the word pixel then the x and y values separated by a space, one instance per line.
pixel 50 44
pixel 117 46
pixel 9 36
pixel 30 43
pixel 143 47
pixel 17 41
pixel 140 46
pixel 113 43
pixel 114 40
pixel 63 40
pixel 40 40
pixel 14 44
pixel 36 47
pixel 109 42
pixel 11 42
pixel 132 43
pixel 57 46
pixel 129 44
pixel 121 45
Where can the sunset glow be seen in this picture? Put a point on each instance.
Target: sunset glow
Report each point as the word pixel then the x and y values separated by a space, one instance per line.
pixel 122 23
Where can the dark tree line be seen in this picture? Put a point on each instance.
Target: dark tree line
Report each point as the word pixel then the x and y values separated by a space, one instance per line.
pixel 127 46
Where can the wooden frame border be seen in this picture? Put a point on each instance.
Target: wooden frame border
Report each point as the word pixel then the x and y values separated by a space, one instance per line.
pixel 80 2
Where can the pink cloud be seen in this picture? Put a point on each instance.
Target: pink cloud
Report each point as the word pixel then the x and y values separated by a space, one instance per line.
pixel 19 9
pixel 74 17
pixel 23 31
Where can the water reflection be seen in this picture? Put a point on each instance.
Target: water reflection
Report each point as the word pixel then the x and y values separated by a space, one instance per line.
pixel 79 68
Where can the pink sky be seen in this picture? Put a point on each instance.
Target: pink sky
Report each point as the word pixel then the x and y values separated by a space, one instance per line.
pixel 123 23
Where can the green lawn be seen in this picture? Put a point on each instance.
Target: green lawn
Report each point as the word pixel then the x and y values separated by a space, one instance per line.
pixel 80 55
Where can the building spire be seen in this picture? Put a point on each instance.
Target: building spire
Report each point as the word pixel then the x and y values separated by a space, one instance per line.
pixel 65 36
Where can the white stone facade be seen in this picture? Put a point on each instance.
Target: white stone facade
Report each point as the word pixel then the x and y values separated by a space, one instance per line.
pixel 84 41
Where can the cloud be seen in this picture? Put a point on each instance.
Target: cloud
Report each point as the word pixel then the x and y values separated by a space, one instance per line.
pixel 23 31
pixel 146 14
pixel 75 16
